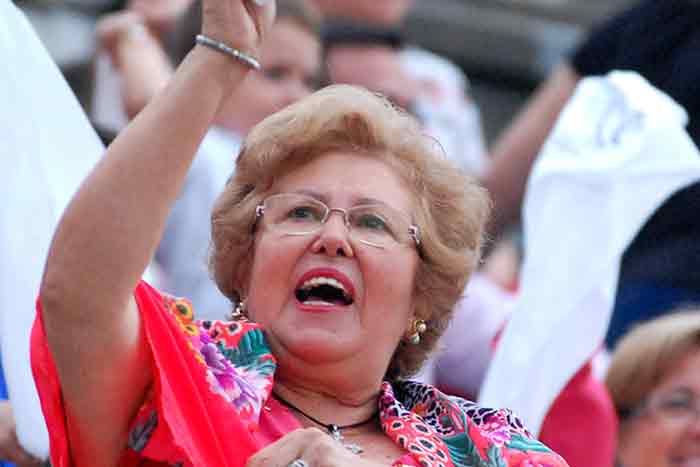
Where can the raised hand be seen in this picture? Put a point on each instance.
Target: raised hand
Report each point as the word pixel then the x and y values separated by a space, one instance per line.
pixel 115 27
pixel 241 24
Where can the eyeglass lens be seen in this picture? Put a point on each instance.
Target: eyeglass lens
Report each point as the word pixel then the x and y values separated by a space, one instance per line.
pixel 680 405
pixel 299 215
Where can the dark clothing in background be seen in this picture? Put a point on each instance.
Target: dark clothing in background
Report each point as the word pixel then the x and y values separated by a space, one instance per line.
pixel 659 39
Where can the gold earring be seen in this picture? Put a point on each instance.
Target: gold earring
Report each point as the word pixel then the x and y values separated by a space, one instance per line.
pixel 418 327
pixel 238 311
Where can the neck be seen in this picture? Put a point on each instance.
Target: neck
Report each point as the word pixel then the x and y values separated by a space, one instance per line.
pixel 338 385
pixel 324 408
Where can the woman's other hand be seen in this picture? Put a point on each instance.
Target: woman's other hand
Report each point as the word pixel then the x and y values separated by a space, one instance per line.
pixel 136 55
pixel 315 447
pixel 10 449
pixel 161 15
pixel 115 28
pixel 241 24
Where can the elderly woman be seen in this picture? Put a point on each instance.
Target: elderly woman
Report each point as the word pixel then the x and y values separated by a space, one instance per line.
pixel 343 235
pixel 654 380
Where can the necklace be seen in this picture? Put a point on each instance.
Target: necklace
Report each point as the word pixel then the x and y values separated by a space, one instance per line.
pixel 331 428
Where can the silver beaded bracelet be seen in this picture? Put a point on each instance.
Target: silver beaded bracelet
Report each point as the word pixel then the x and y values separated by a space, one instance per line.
pixel 242 57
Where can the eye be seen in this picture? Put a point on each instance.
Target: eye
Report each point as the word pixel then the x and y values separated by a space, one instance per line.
pixel 676 404
pixel 304 213
pixel 371 222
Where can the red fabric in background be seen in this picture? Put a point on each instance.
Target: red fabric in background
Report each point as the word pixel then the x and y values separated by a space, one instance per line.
pixel 581 425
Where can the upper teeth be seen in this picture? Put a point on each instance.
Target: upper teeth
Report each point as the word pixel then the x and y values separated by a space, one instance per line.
pixel 316 281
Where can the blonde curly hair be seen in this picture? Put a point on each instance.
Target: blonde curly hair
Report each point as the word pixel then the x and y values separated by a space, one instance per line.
pixel 450 208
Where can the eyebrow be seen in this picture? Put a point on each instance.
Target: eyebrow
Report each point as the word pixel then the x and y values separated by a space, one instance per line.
pixel 322 197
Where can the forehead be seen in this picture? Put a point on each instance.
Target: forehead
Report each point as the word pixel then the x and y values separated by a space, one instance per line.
pixel 344 177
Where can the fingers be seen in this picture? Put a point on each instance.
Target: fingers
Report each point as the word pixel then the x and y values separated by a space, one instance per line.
pixel 310 444
pixel 114 27
pixel 162 15
pixel 241 24
pixel 12 451
pixel 282 452
pixel 263 14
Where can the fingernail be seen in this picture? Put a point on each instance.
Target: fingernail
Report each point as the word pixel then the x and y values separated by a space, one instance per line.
pixel 261 2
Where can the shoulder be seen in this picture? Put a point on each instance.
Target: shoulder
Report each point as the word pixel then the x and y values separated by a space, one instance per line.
pixel 241 343
pixel 435 404
pixel 424 64
pixel 480 436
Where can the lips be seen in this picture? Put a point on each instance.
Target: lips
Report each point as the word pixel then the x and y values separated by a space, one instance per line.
pixel 325 287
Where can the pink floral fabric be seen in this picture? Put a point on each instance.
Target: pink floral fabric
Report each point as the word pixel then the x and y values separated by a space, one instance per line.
pixel 211 403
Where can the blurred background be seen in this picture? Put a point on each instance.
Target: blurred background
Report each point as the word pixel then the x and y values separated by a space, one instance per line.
pixel 506 47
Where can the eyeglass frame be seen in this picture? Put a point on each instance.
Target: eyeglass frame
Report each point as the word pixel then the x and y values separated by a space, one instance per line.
pixel 413 230
pixel 647 407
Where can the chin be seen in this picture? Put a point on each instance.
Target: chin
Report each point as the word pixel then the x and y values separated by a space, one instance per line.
pixel 319 346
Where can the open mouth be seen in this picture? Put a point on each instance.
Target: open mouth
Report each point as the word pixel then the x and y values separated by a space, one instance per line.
pixel 323 291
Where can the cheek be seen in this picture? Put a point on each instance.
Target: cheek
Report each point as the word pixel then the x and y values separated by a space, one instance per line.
pixel 272 266
pixel 646 443
pixel 390 282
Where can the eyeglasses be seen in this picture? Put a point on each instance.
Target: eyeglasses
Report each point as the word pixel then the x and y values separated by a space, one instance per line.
pixel 376 225
pixel 680 406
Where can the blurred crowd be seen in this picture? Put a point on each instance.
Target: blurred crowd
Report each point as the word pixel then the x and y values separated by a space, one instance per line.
pixel 636 401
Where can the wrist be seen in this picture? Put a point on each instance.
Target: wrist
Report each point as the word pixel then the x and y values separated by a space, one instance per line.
pixel 217 68
pixel 235 54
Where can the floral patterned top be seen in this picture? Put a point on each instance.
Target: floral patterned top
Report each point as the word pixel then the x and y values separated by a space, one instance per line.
pixel 211 405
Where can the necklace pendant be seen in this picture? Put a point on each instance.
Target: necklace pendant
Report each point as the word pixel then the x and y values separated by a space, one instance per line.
pixel 353 448
pixel 334 431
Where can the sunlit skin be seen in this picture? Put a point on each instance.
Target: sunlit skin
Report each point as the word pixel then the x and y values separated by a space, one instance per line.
pixel 359 338
pixel 649 440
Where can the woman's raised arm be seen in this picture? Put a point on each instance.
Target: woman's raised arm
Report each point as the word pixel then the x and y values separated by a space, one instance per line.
pixel 110 231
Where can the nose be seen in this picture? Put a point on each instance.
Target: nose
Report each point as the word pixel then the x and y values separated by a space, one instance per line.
pixel 333 238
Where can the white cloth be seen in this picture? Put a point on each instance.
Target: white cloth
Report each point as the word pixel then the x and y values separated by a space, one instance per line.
pixel 466 348
pixel 448 114
pixel 47 147
pixel 617 152
pixel 182 253
pixel 107 105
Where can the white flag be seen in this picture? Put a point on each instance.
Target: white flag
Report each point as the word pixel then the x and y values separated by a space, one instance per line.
pixel 617 152
pixel 47 148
